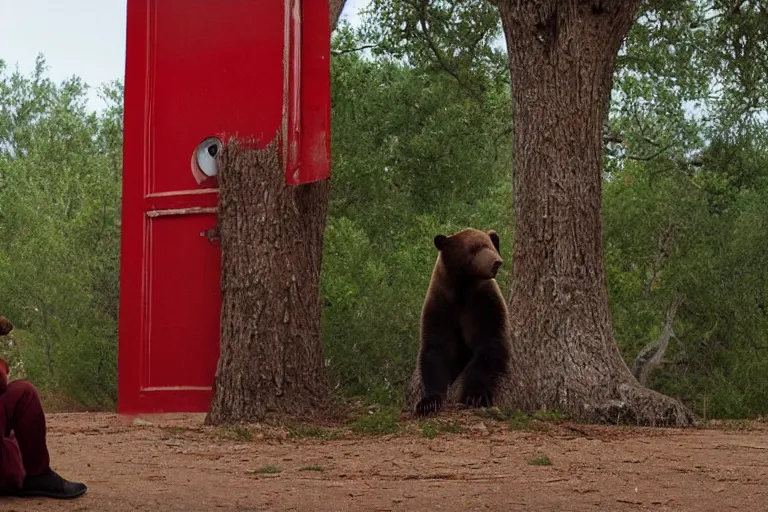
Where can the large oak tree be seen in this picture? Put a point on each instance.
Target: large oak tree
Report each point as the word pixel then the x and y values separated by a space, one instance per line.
pixel 562 55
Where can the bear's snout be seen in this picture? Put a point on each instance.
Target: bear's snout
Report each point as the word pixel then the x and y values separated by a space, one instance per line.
pixel 495 268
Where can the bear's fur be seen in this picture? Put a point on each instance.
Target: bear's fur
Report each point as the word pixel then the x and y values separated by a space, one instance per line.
pixel 464 336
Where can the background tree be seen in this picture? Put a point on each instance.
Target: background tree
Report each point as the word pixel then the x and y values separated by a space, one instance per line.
pixel 689 111
pixel 561 58
pixel 60 170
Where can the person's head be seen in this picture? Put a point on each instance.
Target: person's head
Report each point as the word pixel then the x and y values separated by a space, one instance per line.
pixel 5 326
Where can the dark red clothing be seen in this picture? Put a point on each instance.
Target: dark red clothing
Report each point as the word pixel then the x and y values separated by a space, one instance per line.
pixel 23 449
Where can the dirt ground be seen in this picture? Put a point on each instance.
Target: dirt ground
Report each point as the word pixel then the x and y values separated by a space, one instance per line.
pixel 173 463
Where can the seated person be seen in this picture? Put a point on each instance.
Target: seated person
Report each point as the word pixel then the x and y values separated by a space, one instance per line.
pixel 24 461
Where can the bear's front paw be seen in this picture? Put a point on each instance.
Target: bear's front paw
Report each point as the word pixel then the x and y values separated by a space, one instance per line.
pixel 429 405
pixel 478 399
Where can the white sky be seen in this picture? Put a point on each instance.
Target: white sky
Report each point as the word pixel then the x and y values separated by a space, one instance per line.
pixel 85 38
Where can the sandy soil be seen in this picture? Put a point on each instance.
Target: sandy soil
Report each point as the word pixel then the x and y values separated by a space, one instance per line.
pixel 173 463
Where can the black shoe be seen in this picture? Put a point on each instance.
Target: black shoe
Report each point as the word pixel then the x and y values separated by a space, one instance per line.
pixel 51 485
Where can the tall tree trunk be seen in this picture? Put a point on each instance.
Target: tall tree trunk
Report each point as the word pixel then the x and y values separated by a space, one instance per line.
pixel 271 358
pixel 562 55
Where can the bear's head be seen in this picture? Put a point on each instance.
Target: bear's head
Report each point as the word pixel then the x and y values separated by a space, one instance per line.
pixel 470 253
pixel 5 326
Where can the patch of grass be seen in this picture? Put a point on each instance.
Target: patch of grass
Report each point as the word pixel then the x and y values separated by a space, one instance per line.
pixel 313 467
pixel 519 421
pixel 236 433
pixel 546 414
pixel 382 422
pixel 541 460
pixel 430 430
pixel 381 395
pixel 52 401
pixel 266 470
pixel 738 425
pixel 313 431
pixel 175 430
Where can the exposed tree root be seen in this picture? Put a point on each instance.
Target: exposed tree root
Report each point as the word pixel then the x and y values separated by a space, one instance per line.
pixel 629 403
pixel 637 405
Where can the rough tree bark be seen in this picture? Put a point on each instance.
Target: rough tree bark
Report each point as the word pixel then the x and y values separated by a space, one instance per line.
pixel 271 235
pixel 334 11
pixel 271 356
pixel 561 57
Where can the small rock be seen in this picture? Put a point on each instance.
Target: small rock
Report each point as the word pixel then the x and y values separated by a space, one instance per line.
pixel 480 428
pixel 138 422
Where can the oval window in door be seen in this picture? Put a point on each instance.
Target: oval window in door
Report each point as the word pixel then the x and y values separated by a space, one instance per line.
pixel 204 163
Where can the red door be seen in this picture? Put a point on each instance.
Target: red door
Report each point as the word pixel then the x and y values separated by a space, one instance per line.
pixel 196 69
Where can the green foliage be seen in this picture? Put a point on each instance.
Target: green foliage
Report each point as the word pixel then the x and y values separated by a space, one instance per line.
pixel 689 70
pixel 545 415
pixel 456 38
pixel 698 231
pixel 60 178
pixel 382 422
pixel 519 421
pixel 421 145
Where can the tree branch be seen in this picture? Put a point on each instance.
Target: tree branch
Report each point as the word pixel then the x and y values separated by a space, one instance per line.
pixel 438 54
pixel 652 354
pixel 609 138
pixel 664 245
pixel 353 50
pixel 647 158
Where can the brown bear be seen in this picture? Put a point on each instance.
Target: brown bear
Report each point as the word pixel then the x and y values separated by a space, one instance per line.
pixel 464 323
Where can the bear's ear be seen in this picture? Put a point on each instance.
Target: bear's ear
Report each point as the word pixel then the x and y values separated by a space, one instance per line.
pixel 440 242
pixel 494 239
